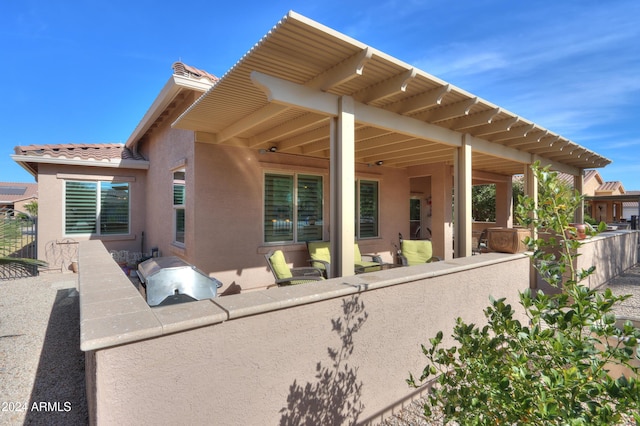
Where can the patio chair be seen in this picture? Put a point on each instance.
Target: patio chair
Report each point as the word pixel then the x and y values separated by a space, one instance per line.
pixel 416 252
pixel 321 257
pixel 285 275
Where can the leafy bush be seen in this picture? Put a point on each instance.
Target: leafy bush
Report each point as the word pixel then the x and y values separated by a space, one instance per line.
pixel 553 369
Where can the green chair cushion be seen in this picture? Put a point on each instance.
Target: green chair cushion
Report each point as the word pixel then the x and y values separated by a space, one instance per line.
pixel 357 256
pixel 417 251
pixel 320 251
pixel 279 265
pixel 296 282
pixel 365 266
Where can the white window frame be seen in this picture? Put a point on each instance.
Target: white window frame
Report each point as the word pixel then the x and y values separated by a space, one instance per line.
pixel 295 205
pixel 177 207
pixel 98 192
pixel 358 218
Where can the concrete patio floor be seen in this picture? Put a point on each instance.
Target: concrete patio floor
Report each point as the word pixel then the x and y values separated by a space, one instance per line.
pixel 42 367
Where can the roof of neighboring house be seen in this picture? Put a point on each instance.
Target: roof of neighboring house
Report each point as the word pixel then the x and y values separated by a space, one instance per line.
pixel 605 188
pixel 592 174
pixel 185 78
pixel 569 179
pixel 631 204
pixel 10 192
pixel 100 154
pixel 610 188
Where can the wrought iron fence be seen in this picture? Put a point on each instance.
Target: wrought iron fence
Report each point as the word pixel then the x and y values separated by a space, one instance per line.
pixel 17 241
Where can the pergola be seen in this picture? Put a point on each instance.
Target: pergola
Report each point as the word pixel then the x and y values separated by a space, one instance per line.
pixel 305 89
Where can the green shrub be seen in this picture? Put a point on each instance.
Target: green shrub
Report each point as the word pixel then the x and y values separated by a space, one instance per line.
pixel 553 369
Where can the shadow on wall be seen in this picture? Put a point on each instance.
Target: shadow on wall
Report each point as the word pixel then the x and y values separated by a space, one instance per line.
pixel 335 396
pixel 58 395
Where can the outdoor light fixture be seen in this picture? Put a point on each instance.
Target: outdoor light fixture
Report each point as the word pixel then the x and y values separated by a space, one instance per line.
pixel 270 149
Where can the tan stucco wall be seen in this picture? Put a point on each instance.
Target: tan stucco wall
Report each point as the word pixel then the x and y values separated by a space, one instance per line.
pixel 167 150
pixel 228 212
pixel 590 187
pixel 20 205
pixel 51 198
pixel 258 365
pixel 611 252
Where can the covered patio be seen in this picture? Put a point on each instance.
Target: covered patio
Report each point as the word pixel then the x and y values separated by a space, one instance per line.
pixel 609 209
pixel 307 91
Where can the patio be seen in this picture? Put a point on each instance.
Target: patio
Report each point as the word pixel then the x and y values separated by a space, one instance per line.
pixel 337 349
pixel 40 338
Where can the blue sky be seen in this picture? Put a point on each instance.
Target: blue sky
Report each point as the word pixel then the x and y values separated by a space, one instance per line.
pixel 86 71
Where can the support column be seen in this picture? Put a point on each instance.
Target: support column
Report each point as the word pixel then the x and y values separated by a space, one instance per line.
pixel 531 190
pixel 578 184
pixel 462 207
pixel 441 212
pixel 504 203
pixel 342 176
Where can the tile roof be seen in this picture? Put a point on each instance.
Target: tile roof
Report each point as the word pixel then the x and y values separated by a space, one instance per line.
pixel 180 68
pixel 611 186
pixel 16 191
pixel 96 152
pixel 631 204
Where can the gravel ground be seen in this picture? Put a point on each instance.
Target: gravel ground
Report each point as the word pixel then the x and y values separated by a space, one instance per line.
pixel 41 365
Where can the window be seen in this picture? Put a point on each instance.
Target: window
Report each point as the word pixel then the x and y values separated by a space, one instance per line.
pixel 178 206
pixel 100 208
pixel 367 199
pixel 289 221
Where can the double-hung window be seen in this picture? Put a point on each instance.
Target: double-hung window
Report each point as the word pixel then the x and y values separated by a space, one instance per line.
pixel 367 208
pixel 178 206
pixel 292 208
pixel 97 208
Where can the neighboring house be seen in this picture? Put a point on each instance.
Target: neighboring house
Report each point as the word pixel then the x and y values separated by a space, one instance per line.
pixel 15 195
pixel 631 209
pixel 310 136
pixel 607 210
pixel 607 201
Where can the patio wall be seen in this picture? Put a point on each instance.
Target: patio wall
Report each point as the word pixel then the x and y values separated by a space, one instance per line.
pixel 611 252
pixel 278 355
pixel 330 352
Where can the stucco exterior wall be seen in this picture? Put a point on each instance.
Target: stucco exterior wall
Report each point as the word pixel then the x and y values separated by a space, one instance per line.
pixel 352 341
pixel 167 150
pixel 20 205
pixel 51 200
pixel 611 252
pixel 228 212
pixel 590 186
